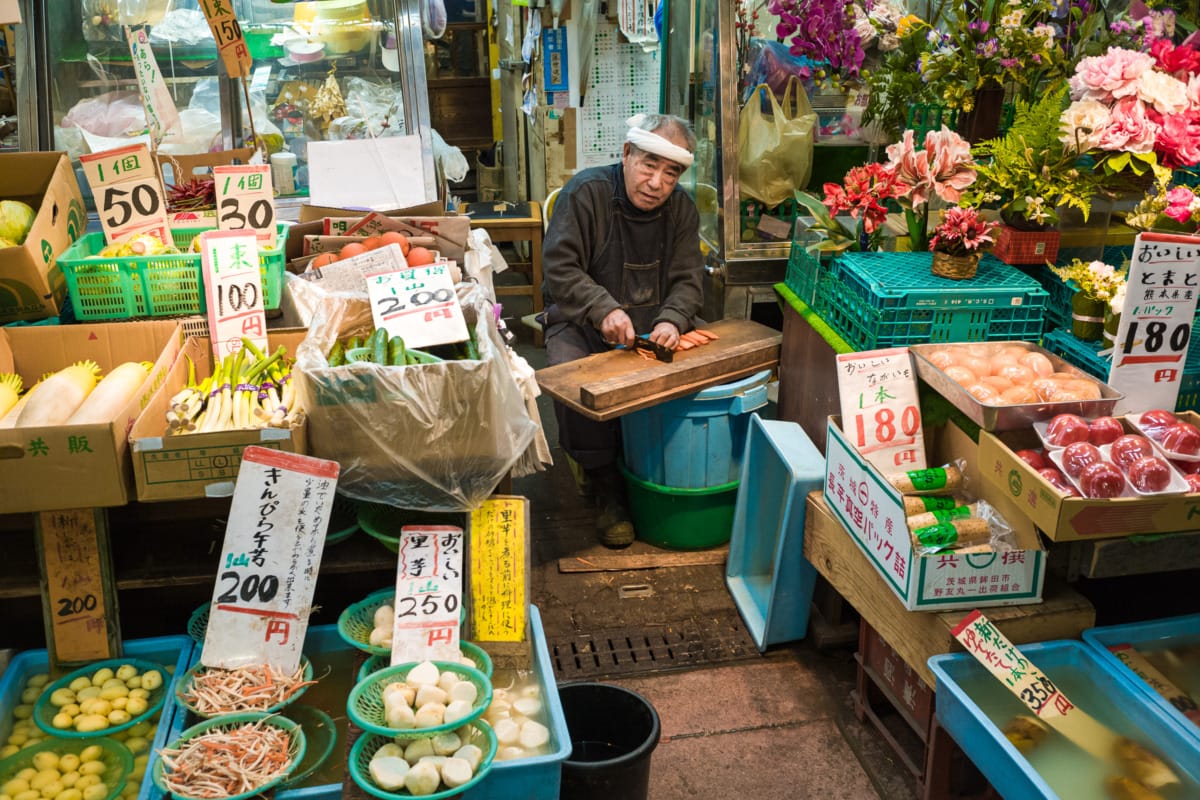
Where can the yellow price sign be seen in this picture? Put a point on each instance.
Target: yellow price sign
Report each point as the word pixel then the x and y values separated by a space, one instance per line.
pixel 499 558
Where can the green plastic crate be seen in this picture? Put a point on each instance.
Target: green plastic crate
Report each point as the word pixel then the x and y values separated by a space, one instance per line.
pixel 904 280
pixel 926 117
pixel 1086 356
pixel 804 270
pixel 152 286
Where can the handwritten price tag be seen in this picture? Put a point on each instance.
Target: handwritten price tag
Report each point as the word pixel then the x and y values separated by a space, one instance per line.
pixel 161 114
pixel 1156 323
pixel 417 304
pixel 246 200
pixel 231 44
pixel 129 197
pixel 73 564
pixel 1157 681
pixel 428 594
pixel 880 412
pixel 269 561
pixel 233 290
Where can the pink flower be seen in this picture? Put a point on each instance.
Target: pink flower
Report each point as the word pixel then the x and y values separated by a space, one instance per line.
pixel 944 167
pixel 1194 91
pixel 1130 130
pixel 1168 95
pixel 1179 140
pixel 1082 124
pixel 1111 76
pixel 1180 61
pixel 1179 203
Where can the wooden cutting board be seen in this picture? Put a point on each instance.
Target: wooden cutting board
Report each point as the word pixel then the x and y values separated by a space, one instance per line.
pixel 607 385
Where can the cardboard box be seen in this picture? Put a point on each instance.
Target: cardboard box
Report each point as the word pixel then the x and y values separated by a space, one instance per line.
pixel 872 512
pixel 31 285
pixel 200 464
pixel 77 466
pixel 1066 519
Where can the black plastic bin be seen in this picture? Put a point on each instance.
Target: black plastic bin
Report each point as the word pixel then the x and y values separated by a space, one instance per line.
pixel 613 734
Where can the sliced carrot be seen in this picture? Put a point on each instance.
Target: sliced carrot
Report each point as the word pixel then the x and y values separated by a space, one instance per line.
pixel 686 344
pixel 711 336
pixel 697 336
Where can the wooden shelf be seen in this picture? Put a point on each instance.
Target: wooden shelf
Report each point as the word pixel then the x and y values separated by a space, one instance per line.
pixel 457 82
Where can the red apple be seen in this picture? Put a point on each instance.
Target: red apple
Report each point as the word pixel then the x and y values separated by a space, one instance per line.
pixel 1067 429
pixel 1193 482
pixel 1033 458
pixel 1150 474
pixel 1182 438
pixel 1078 456
pixel 1155 422
pixel 1129 449
pixel 1058 481
pixel 1101 480
pixel 1105 430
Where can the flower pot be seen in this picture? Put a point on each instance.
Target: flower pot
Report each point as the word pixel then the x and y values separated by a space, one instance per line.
pixel 1026 247
pixel 955 267
pixel 1112 323
pixel 983 121
pixel 1087 317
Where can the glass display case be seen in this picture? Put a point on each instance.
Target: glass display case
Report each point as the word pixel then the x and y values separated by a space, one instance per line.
pixel 325 69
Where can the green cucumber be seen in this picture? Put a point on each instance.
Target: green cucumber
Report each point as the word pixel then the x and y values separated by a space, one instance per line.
pixel 379 346
pixel 396 352
pixel 354 342
pixel 337 356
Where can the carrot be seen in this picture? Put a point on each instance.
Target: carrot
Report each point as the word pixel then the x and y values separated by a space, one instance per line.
pixel 686 344
pixel 711 336
pixel 698 337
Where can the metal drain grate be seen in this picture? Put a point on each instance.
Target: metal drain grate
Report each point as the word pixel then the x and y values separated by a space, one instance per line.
pixel 658 648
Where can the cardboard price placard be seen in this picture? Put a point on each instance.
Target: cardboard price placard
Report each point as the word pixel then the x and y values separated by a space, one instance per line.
pixel 269 561
pixel 1156 322
pixel 233 290
pixel 227 32
pixel 128 192
pixel 428 594
pixel 73 564
pixel 1137 663
pixel 246 200
pixel 499 569
pixel 880 412
pixel 418 304
pixel 162 116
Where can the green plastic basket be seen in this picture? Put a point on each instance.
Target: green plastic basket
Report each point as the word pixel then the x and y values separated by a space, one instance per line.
pixel 43 712
pixel 483 662
pixel 116 757
pixel 365 705
pixel 197 625
pixel 481 735
pixel 343 521
pixel 152 286
pixel 320 737
pixel 226 723
pixel 356 622
pixel 383 522
pixel 185 683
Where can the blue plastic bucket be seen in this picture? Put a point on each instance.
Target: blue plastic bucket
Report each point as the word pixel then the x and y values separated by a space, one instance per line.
pixel 694 442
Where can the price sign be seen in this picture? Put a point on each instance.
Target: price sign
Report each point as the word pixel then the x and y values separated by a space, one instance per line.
pixel 1156 322
pixel 1160 683
pixel 982 639
pixel 880 412
pixel 499 569
pixel 73 548
pixel 161 114
pixel 245 199
pixel 233 290
pixel 129 197
pixel 428 594
pixel 231 44
pixel 269 561
pixel 417 304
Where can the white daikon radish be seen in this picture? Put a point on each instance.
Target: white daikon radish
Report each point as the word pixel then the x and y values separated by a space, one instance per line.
pixel 456 711
pixel 402 690
pixel 456 772
pixel 527 706
pixel 112 394
pixel 418 749
pixel 423 674
pixel 431 715
pixel 384 616
pixel 471 754
pixel 422 779
pixel 509 753
pixel 447 680
pixel 388 772
pixel 465 691
pixel 54 400
pixel 507 732
pixel 430 694
pixel 399 715
pixel 444 744
pixel 533 734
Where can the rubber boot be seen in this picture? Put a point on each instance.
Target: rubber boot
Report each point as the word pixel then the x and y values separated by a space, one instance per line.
pixel 613 524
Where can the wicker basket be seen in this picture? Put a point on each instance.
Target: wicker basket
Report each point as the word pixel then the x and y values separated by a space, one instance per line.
pixel 955 267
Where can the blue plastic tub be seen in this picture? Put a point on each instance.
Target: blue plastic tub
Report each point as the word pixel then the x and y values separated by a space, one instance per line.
pixel 969 699
pixel 766 573
pixel 170 651
pixel 694 442
pixel 1147 638
pixel 536 778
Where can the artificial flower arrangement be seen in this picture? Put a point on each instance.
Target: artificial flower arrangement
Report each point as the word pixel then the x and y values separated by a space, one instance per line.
pixel 959 241
pixel 1098 284
pixel 1176 209
pixel 863 195
pixel 823 30
pixel 944 168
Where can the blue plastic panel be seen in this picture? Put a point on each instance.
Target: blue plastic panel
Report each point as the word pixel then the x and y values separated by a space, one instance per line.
pixel 973 706
pixel 766 573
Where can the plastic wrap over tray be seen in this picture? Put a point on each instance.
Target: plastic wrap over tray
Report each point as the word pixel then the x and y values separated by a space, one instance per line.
pixel 427 436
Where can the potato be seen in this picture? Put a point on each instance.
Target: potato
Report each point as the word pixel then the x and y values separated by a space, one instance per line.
pixel 69 794
pixel 71 709
pixel 23 711
pixel 97 792
pixel 68 762
pixel 139 692
pixel 118 717
pixel 45 777
pixel 136 706
pixel 87 780
pixel 26 774
pixel 102 675
pixel 136 744
pixel 113 682
pixel 45 760
pixel 9 750
pixel 62 697
pixel 151 679
pixel 29 794
pixel 90 723
pixel 144 729
pixel 126 671
pixel 38 681
pixel 79 684
pixel 18 738
pixel 69 779
pixel 119 703
pixel 52 789
pixel 29 696
pixel 114 692
pixel 89 693
pixel 15 786
pixel 62 721
pixel 93 752
pixel 93 768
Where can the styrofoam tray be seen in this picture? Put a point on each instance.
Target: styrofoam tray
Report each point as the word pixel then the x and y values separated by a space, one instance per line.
pixel 1135 421
pixel 1177 485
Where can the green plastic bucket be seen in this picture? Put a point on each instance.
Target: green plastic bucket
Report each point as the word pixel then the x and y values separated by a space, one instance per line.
pixel 680 518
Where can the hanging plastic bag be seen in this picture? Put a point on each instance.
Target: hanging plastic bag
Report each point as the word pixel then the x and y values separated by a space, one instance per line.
pixel 433 18
pixel 775 150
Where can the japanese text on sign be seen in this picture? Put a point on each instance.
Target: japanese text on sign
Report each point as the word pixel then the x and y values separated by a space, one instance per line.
pixel 1156 321
pixel 231 44
pixel 1141 667
pixel 498 569
pixel 246 200
pixel 73 585
pixel 269 560
pixel 161 115
pixel 428 594
pixel 417 304
pixel 129 198
pixel 880 412
pixel 233 290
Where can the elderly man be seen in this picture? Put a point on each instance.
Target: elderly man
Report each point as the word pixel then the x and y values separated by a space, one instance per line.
pixel 621 258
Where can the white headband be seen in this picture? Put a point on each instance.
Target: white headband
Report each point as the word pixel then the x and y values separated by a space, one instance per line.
pixel 653 143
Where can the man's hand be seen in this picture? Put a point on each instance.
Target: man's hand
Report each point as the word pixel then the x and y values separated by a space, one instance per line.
pixel 617 328
pixel 666 334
